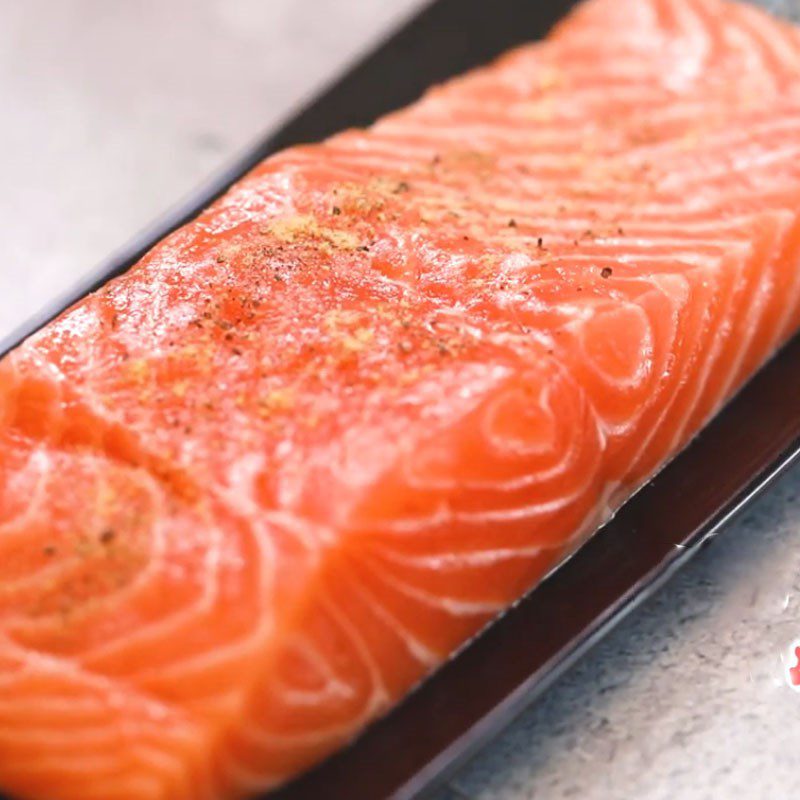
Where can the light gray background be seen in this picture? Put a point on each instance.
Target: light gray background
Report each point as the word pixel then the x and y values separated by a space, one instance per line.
pixel 112 110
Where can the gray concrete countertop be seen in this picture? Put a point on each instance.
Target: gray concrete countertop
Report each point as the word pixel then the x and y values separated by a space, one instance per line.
pixel 112 111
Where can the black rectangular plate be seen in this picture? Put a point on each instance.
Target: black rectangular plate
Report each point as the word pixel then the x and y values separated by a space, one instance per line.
pixel 479 691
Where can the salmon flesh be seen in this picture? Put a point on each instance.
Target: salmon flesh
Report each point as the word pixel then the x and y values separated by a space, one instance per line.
pixel 256 488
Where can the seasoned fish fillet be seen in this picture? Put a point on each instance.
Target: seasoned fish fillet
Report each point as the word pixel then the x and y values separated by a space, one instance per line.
pixel 255 489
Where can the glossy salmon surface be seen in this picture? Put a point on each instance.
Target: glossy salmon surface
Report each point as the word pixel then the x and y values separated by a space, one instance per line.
pixel 255 489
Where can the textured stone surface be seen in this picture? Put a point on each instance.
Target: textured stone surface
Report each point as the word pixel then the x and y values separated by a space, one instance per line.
pixel 113 110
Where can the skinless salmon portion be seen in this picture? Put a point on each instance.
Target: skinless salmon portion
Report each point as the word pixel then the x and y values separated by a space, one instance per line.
pixel 255 489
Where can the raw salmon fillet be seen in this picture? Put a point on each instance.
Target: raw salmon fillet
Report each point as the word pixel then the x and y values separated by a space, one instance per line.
pixel 256 488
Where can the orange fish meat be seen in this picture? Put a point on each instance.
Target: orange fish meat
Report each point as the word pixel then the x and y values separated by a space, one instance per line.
pixel 256 488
